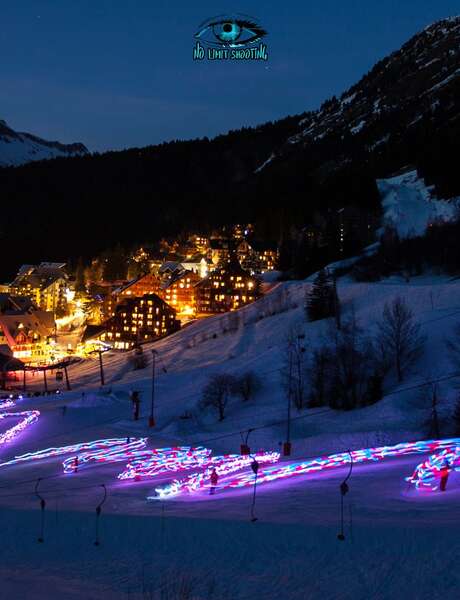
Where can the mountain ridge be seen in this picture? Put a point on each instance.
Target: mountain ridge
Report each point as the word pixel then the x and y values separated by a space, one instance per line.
pixel 18 147
pixel 408 83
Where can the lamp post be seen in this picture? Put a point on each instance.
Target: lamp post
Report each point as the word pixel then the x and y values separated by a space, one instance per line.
pixel 152 418
pixel 45 381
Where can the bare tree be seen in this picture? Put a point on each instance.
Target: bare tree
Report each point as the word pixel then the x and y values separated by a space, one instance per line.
pixel 400 335
pixel 319 371
pixel 351 365
pixel 216 393
pixel 247 385
pixel 381 357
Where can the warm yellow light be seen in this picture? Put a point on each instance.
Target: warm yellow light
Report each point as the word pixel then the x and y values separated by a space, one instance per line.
pixel 70 295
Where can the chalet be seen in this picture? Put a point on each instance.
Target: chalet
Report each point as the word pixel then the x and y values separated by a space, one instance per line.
pixel 169 268
pixel 138 320
pixel 29 335
pixel 199 243
pixel 11 304
pixel 228 287
pixel 45 284
pixel 219 250
pixel 257 256
pixel 179 292
pixel 241 232
pixel 136 288
pixel 198 264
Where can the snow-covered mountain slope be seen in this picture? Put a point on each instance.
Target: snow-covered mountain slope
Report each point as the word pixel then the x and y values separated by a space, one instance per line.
pixel 19 148
pixel 414 87
pixel 410 206
pixel 415 79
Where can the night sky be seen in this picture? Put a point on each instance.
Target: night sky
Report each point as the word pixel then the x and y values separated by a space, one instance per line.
pixel 115 74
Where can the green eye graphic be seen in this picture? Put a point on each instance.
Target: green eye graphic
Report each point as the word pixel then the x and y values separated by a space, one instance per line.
pixel 230 31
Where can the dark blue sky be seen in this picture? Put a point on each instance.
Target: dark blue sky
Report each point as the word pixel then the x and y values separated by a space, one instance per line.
pixel 119 73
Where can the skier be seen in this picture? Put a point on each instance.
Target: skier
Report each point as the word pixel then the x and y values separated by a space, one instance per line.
pixel 444 475
pixel 214 480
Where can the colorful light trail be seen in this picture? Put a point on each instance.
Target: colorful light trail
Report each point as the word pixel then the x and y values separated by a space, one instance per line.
pixel 428 474
pixel 165 460
pixel 28 417
pixel 316 465
pixel 222 465
pixel 121 452
pixel 96 445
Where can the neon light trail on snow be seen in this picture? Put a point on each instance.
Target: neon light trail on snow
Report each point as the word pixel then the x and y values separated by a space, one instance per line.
pixel 116 452
pixel 428 474
pixel 156 461
pixel 143 463
pixel 28 417
pixel 246 479
pixel 104 445
pixel 165 460
pixel 223 465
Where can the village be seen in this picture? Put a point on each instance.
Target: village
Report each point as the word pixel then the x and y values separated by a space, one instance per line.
pixel 51 314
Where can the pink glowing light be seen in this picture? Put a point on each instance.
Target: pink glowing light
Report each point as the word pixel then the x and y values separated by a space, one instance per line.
pixel 222 465
pixel 316 465
pixel 103 445
pixel 119 452
pixel 428 474
pixel 165 460
pixel 7 404
pixel 28 417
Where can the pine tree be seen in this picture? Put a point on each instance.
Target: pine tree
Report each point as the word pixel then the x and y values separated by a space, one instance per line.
pixel 320 300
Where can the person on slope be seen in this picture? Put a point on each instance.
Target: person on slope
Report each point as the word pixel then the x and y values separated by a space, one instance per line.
pixel 214 480
pixel 444 474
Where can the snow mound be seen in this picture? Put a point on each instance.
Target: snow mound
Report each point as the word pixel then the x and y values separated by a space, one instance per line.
pixel 411 206
pixel 95 399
